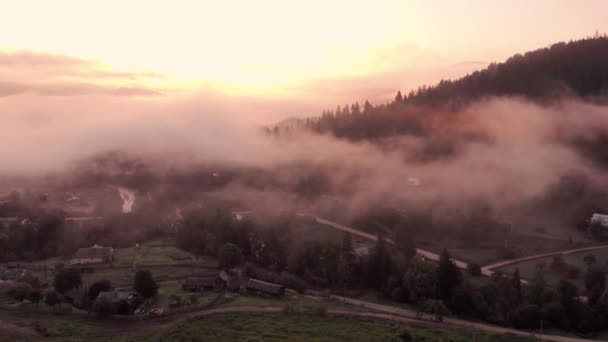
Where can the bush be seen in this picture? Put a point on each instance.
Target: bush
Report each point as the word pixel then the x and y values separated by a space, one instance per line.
pixel 526 316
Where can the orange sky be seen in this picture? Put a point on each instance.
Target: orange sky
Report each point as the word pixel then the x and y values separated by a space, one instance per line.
pixel 277 50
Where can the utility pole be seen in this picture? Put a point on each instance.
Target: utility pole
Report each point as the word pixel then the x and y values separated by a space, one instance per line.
pixel 540 336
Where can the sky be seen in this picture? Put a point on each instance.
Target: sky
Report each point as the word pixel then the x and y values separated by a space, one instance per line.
pixel 289 48
pixel 70 67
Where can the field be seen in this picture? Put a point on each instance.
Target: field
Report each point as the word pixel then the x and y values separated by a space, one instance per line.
pixel 280 327
pixel 528 269
pixel 165 291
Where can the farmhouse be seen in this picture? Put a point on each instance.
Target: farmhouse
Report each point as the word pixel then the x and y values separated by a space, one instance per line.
pixel 230 282
pixel 93 255
pixel 262 288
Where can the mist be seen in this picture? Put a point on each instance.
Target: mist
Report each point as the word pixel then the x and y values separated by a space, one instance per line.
pixel 504 152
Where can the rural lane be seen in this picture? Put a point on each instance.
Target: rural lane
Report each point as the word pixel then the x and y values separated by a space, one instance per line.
pixel 426 254
pixel 405 315
pixel 488 269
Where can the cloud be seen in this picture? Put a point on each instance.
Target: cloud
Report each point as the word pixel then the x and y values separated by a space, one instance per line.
pixel 45 74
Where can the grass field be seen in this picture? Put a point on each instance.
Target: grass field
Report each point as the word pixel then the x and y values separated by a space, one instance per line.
pixel 528 269
pixel 164 292
pixel 281 327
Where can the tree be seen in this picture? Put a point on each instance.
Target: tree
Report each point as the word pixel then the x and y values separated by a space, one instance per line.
pixel 67 279
pixel 436 308
pixel 144 284
pixel 99 286
pixel 346 266
pixel 420 281
pixel 526 316
pixel 448 276
pixel 517 284
pixel 52 298
pixel 589 259
pixel 595 283
pixel 399 97
pixel 567 293
pixel 230 256
pixel 379 264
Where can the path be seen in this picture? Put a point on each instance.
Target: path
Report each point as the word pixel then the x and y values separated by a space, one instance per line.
pixel 426 254
pixel 488 269
pixel 405 315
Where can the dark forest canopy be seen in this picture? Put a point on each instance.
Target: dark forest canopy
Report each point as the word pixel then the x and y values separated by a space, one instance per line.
pixel 578 69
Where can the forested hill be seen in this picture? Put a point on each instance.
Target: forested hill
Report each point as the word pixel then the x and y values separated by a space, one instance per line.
pixel 576 69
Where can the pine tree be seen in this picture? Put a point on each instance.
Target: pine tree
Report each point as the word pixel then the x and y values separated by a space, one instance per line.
pixel 448 276
pixel 399 97
pixel 517 284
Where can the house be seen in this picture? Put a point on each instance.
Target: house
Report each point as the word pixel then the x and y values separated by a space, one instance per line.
pixel 262 288
pixel 229 281
pixel 194 284
pixel 93 255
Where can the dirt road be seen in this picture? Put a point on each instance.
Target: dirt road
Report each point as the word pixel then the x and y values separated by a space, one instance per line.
pixel 488 269
pixel 405 315
pixel 426 254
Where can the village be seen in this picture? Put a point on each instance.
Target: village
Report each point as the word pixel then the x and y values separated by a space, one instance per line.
pixel 158 280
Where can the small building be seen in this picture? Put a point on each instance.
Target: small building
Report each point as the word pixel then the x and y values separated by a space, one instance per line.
pixel 228 281
pixel 262 288
pixel 14 274
pixel 195 284
pixel 93 255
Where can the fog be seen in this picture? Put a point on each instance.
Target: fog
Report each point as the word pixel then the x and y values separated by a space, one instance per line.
pixel 521 151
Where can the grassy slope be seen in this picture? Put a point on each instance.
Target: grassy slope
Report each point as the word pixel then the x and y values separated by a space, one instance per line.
pixel 306 328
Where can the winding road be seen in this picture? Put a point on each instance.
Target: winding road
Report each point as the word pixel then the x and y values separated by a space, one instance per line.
pixel 488 269
pixel 424 253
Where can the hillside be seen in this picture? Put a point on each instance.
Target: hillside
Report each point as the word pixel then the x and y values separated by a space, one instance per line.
pixel 574 70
